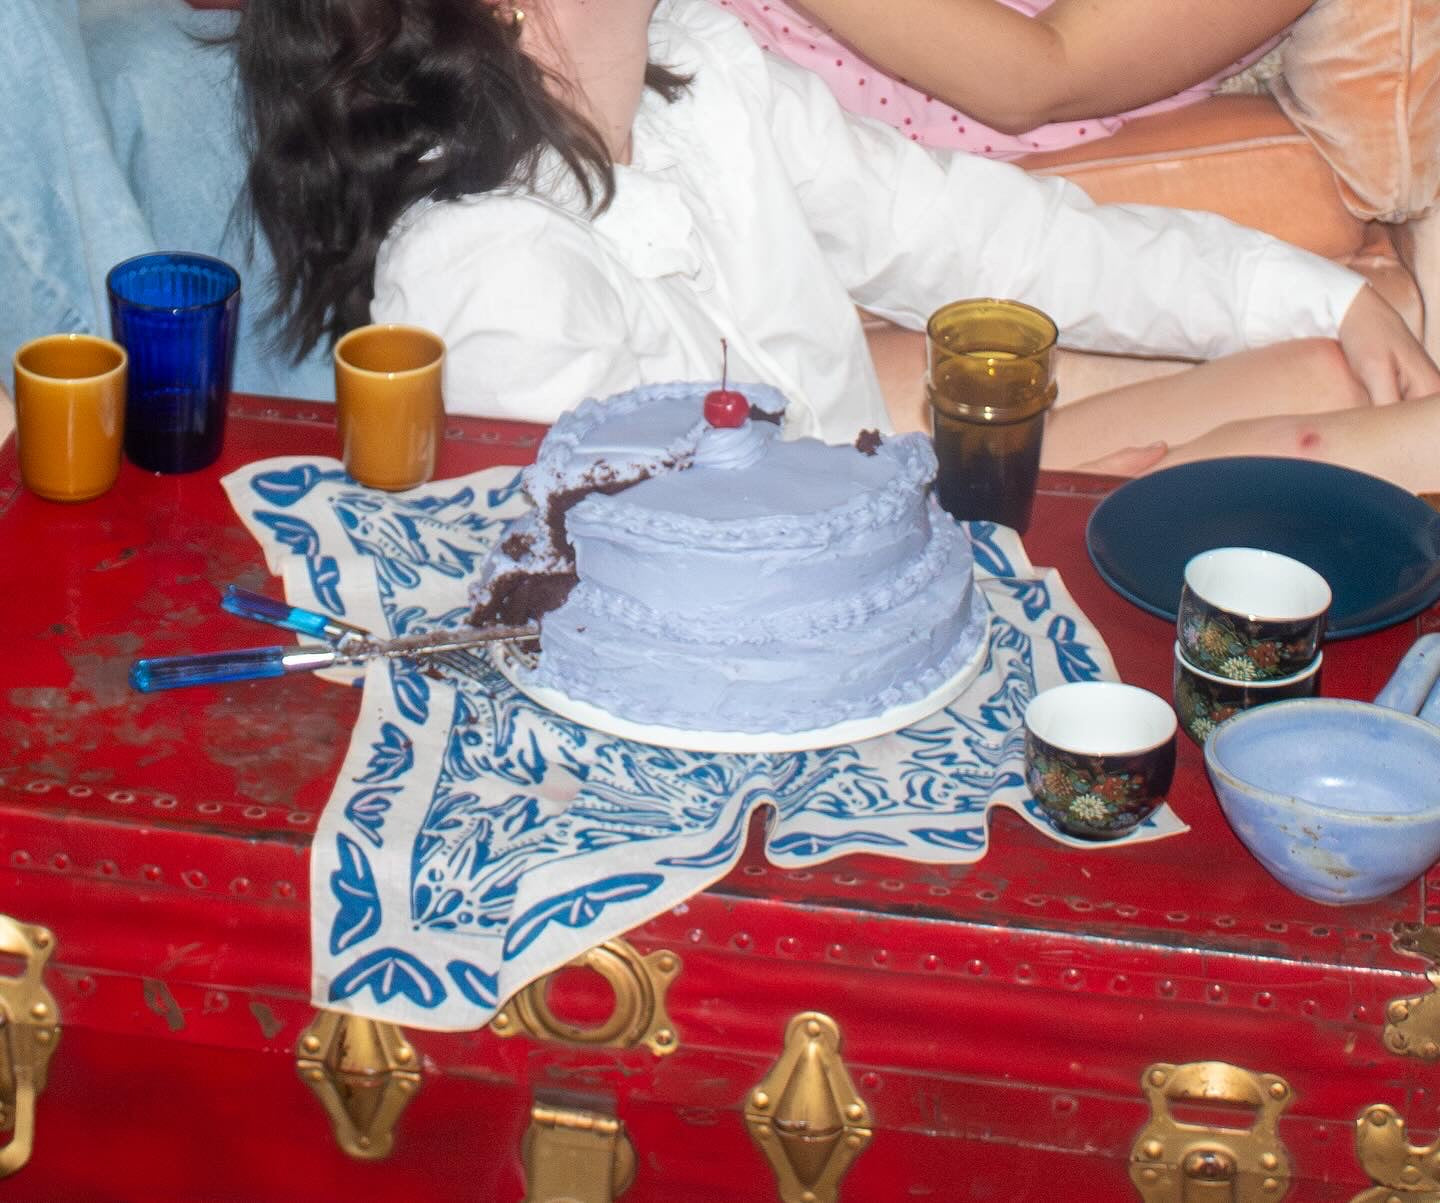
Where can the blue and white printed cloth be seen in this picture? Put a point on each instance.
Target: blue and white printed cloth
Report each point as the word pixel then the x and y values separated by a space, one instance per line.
pixel 474 841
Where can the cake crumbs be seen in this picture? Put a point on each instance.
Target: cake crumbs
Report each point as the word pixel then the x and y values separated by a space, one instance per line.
pixel 867 442
pixel 518 545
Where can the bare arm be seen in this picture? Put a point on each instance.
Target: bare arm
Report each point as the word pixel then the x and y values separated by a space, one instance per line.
pixel 1076 59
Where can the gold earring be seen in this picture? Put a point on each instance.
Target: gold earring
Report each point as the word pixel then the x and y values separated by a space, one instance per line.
pixel 508 14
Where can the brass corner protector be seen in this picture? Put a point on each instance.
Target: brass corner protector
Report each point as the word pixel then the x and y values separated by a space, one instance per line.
pixel 1402 1172
pixel 1412 1024
pixel 806 1116
pixel 364 1073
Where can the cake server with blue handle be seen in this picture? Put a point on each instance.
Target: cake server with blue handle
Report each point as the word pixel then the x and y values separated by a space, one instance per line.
pixel 247 604
pixel 255 663
pixel 466 662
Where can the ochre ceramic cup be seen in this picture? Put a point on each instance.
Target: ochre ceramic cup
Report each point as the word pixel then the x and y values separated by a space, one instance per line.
pixel 1099 756
pixel 389 406
pixel 69 415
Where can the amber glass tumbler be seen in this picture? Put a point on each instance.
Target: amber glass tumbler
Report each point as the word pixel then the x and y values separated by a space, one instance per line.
pixel 989 381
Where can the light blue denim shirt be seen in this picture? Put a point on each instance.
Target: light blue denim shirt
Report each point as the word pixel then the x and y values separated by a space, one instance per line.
pixel 119 134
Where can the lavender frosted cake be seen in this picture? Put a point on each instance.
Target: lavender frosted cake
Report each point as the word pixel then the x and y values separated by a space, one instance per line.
pixel 723 579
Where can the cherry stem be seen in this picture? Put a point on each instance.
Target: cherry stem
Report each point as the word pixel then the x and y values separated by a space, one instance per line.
pixel 724 362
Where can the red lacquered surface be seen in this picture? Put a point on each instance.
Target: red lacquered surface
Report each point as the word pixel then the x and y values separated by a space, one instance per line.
pixel 997 1018
pixel 1204 884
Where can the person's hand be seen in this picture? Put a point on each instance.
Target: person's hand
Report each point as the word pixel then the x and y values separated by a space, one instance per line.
pixel 1382 353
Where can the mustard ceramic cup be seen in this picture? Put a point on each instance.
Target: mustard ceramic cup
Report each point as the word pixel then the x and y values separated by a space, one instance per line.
pixel 70 415
pixel 389 406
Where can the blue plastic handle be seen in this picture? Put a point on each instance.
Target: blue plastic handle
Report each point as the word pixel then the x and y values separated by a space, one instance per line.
pixel 247 604
pixel 171 672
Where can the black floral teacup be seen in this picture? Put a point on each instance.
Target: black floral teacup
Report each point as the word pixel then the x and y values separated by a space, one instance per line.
pixel 1204 700
pixel 1251 615
pixel 1099 756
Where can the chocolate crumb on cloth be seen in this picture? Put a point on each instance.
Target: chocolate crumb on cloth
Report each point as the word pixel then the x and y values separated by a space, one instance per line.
pixel 867 442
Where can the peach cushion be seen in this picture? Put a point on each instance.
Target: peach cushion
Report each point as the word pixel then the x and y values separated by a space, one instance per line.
pixel 1234 155
pixel 1362 79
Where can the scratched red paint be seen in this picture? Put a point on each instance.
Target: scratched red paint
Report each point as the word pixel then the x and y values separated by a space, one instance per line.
pixel 996 1018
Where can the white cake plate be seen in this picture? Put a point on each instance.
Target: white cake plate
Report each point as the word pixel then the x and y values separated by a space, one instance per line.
pixel 848 732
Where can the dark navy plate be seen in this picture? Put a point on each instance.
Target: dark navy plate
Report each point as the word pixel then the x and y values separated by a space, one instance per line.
pixel 1377 545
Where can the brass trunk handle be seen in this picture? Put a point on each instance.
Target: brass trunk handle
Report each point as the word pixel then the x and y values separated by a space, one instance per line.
pixel 29 1032
pixel 20 1116
pixel 639 983
pixel 1175 1162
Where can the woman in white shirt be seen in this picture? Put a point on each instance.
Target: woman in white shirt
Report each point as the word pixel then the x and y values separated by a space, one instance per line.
pixel 585 197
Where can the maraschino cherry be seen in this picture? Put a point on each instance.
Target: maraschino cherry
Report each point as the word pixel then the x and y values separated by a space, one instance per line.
pixel 726 407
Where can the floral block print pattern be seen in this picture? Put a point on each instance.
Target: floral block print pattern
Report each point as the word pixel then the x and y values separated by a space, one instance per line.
pixel 1238 650
pixel 1098 797
pixel 1203 703
pixel 474 841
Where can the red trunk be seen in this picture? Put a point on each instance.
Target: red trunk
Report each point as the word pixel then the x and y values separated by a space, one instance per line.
pixel 996 1018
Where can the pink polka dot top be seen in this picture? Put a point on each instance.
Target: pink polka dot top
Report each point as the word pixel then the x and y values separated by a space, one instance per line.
pixel 867 91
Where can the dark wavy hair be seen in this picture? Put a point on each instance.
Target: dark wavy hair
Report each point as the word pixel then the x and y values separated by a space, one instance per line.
pixel 359 108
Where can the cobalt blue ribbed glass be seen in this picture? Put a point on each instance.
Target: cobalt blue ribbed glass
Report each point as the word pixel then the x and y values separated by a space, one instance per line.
pixel 176 315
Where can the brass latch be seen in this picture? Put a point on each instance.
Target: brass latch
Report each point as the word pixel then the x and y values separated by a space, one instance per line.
pixel 364 1073
pixel 576 1156
pixel 1175 1162
pixel 639 983
pixel 1401 1170
pixel 29 1032
pixel 805 1116
pixel 1412 1027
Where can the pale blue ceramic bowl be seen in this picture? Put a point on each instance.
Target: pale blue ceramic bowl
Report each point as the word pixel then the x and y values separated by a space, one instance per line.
pixel 1339 800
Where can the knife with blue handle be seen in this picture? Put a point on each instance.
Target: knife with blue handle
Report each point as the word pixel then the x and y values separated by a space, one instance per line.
pixel 255 663
pixel 245 664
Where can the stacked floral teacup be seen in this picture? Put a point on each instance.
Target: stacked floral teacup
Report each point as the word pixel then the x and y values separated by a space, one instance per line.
pixel 1249 628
